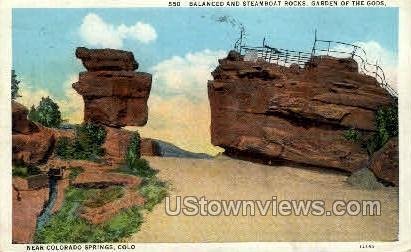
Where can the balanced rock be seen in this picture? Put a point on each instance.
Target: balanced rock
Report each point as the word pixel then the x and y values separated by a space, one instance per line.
pixel 260 109
pixel 114 95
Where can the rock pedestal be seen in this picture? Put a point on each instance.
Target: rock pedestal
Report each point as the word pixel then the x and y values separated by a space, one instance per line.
pixel 114 95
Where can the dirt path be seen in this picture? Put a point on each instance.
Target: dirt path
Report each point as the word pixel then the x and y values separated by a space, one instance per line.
pixel 225 178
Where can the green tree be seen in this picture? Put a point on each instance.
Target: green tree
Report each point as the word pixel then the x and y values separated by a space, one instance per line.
pixel 14 85
pixel 47 113
pixel 33 115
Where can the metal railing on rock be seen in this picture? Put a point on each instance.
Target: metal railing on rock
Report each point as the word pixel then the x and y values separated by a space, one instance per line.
pixel 287 57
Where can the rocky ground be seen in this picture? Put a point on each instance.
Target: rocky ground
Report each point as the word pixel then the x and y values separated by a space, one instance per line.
pixel 226 178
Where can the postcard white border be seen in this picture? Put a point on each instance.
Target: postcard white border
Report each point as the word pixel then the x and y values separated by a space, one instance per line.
pixel 404 85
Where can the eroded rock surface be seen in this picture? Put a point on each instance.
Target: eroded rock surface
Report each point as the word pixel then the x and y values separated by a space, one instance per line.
pixel 31 142
pixel 114 95
pixel 106 59
pixel 273 112
pixel 27 205
pixel 385 162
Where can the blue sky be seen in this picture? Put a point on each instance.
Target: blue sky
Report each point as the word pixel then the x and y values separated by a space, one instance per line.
pixel 44 41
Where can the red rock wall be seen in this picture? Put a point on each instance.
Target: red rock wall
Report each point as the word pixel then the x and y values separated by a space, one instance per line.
pixel 279 113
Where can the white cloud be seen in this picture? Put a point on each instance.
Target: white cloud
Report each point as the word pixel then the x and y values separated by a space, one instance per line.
pixel 96 32
pixel 71 104
pixel 375 53
pixel 182 116
pixel 186 75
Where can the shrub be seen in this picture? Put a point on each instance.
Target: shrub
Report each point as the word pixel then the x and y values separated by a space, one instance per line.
pixel 140 168
pixel 25 171
pixel 352 135
pixel 153 191
pixel 386 124
pixel 86 144
pixel 66 226
pixel 74 172
pixel 134 163
pixel 133 151
pixel 387 127
pixel 64 148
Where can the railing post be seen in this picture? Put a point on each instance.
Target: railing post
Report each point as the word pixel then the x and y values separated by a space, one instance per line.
pixel 286 57
pixel 328 50
pixel 298 61
pixel 353 52
pixel 315 44
pixel 376 69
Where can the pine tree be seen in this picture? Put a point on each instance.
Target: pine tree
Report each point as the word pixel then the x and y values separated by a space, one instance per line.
pixel 14 85
pixel 47 113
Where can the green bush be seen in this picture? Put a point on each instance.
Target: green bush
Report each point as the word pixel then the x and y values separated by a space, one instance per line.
pixel 66 226
pixel 387 127
pixel 153 191
pixel 134 164
pixel 86 145
pixel 64 148
pixel 47 113
pixel 74 172
pixel 25 171
pixel 133 151
pixel 352 135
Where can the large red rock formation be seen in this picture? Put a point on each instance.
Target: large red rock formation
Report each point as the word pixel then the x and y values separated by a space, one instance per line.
pixel 267 111
pixel 114 95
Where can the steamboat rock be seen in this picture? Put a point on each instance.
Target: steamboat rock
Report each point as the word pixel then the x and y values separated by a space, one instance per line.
pixel 271 112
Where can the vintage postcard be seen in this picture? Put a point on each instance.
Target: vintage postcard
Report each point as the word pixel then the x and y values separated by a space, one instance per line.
pixel 205 125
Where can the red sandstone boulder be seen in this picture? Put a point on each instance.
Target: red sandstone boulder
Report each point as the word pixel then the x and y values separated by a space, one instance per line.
pixel 148 147
pixel 20 124
pixel 385 162
pixel 118 140
pixel 34 148
pixel 106 59
pixel 31 142
pixel 116 144
pixel 269 111
pixel 113 96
